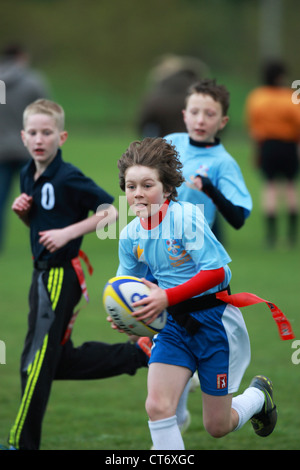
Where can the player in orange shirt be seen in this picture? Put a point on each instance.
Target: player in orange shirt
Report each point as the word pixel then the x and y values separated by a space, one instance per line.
pixel 274 124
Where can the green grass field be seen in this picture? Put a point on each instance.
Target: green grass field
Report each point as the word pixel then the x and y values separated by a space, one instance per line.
pixel 109 414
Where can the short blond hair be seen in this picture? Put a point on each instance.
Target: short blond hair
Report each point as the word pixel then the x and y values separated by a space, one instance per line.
pixel 43 106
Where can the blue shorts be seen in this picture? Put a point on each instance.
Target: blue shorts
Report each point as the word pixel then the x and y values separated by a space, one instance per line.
pixel 220 350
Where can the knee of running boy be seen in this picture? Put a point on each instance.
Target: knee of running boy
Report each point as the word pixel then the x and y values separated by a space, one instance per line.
pixel 159 408
pixel 217 427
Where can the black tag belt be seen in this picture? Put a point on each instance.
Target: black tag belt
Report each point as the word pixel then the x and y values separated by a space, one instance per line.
pixel 181 311
pixel 45 265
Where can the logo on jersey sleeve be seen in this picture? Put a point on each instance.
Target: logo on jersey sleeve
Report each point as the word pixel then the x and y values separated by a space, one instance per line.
pixel 139 253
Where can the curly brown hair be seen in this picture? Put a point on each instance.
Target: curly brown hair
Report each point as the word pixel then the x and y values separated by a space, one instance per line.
pixel 154 153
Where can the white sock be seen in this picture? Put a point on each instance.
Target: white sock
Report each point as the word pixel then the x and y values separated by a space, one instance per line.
pixel 248 404
pixel 181 411
pixel 165 434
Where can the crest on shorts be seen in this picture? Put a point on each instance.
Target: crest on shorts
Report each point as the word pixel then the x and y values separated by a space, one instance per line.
pixel 221 381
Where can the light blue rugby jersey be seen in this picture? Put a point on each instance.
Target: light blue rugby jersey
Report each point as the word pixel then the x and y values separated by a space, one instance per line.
pixel 219 166
pixel 177 249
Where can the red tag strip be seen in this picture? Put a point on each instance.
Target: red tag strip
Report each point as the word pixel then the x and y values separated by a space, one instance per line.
pixel 80 275
pixel 84 257
pixel 244 299
pixel 69 328
pixel 79 271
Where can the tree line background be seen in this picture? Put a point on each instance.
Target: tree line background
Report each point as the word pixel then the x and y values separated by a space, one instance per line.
pixel 97 53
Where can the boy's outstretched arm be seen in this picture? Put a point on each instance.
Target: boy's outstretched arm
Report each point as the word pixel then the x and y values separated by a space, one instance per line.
pixel 57 238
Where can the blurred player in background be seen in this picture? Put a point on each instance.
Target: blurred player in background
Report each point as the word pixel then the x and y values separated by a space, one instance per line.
pixel 23 86
pixel 274 125
pixel 212 176
pixel 161 108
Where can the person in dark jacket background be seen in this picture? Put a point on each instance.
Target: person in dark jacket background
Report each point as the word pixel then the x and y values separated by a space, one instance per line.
pixel 22 86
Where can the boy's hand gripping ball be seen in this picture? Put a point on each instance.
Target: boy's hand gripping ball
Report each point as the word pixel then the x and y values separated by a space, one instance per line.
pixel 118 296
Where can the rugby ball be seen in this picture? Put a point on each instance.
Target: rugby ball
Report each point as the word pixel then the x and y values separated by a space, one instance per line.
pixel 118 296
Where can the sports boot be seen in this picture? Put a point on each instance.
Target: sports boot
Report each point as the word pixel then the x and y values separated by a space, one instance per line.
pixel 264 422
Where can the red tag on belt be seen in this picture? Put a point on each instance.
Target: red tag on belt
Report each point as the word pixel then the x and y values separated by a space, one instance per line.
pixel 79 271
pixel 244 299
pixel 84 257
pixel 80 275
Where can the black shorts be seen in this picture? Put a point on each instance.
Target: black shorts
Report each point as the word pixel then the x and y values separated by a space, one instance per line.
pixel 279 160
